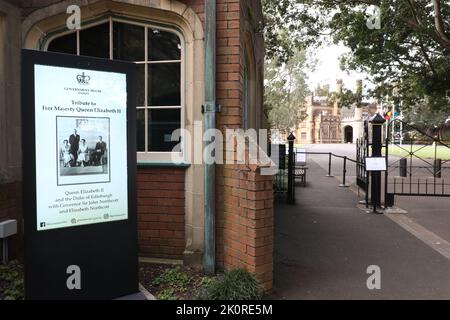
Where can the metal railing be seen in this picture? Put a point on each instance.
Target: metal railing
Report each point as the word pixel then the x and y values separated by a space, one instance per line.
pixel 419 174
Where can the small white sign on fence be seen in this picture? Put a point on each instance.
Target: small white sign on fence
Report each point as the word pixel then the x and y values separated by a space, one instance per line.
pixel 301 156
pixel 376 164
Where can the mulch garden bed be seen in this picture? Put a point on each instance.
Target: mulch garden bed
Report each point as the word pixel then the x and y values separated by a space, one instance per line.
pixel 164 281
pixel 173 282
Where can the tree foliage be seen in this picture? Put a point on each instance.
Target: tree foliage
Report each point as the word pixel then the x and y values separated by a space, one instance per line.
pixel 286 91
pixel 407 58
pixel 345 99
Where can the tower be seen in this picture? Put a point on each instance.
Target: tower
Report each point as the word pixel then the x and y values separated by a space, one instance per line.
pixel 338 91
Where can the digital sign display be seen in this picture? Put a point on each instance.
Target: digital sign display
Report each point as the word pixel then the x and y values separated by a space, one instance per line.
pixel 79 177
pixel 81 146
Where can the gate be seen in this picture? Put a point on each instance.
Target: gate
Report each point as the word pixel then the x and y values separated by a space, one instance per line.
pixel 281 177
pixel 418 164
pixel 362 152
pixel 284 180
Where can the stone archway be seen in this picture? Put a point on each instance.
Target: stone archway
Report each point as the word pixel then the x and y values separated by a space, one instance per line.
pixel 348 134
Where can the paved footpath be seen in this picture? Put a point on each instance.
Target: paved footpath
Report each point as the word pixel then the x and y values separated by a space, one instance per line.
pixel 324 244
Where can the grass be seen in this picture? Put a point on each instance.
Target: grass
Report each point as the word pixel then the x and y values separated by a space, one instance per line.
pixel 236 284
pixel 188 283
pixel 420 151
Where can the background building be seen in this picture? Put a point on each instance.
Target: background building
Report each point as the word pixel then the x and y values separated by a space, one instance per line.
pixel 326 122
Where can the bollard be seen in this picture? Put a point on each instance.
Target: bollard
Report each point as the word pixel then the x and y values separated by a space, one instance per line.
pixel 344 173
pixel 329 165
pixel 291 164
pixel 403 167
pixel 437 168
pixel 377 121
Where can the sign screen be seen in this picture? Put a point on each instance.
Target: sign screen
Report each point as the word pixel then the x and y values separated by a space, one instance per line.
pixel 79 177
pixel 81 146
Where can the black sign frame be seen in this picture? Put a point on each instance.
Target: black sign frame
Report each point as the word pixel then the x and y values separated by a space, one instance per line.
pixel 107 253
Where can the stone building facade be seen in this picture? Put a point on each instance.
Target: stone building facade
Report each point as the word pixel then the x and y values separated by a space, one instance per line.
pixel 166 39
pixel 326 122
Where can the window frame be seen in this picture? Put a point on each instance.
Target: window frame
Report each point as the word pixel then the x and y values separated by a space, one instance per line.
pixel 142 156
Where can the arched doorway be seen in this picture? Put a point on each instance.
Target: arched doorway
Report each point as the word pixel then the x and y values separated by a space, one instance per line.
pixel 348 134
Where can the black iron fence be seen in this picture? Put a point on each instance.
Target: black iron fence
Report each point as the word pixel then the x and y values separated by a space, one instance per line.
pixel 420 167
pixel 290 168
pixel 280 181
pixel 362 152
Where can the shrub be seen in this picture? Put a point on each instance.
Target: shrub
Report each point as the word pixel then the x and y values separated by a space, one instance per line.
pixel 237 284
pixel 11 281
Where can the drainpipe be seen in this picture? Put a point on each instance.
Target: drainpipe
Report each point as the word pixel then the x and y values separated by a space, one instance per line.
pixel 209 122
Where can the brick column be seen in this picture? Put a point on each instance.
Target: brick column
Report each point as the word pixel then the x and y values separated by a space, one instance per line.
pixel 245 225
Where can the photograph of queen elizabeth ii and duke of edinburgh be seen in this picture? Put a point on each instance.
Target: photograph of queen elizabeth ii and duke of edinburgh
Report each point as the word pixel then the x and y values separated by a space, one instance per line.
pixel 83 145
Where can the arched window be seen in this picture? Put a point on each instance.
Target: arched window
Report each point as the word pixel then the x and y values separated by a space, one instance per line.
pixel 159 57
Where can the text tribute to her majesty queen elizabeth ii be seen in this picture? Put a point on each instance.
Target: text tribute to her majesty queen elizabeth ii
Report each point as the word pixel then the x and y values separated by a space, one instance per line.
pixel 81 146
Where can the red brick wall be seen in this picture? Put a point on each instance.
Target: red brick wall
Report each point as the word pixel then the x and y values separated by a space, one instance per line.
pixel 198 6
pixel 244 198
pixel 245 221
pixel 11 208
pixel 161 209
pixel 229 86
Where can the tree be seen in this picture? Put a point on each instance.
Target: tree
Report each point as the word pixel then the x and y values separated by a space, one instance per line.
pixel 346 98
pixel 286 91
pixel 408 58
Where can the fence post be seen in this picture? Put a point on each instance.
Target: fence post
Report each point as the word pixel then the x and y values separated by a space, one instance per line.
pixel 377 122
pixel 344 172
pixel 329 165
pixel 403 167
pixel 291 164
pixel 386 176
pixel 366 154
pixel 437 168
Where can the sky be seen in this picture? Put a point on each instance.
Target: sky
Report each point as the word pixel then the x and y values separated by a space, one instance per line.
pixel 328 70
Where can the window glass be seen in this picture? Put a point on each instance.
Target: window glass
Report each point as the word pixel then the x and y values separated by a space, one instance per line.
pixel 162 66
pixel 64 44
pixel 140 129
pixel 162 122
pixel 128 42
pixel 164 84
pixel 140 84
pixel 163 45
pixel 94 41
